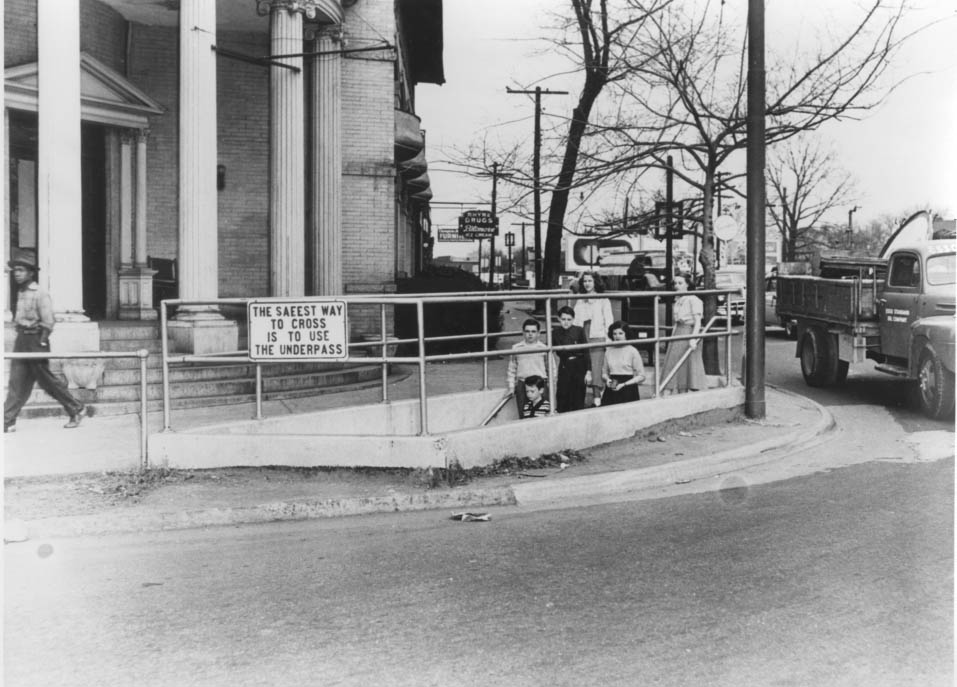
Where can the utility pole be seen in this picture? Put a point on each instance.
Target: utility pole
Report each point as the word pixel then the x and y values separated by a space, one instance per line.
pixel 509 241
pixel 536 173
pixel 491 265
pixel 669 229
pixel 754 402
pixel 850 224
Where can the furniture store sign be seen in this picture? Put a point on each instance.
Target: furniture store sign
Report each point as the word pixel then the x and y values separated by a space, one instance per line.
pixel 297 330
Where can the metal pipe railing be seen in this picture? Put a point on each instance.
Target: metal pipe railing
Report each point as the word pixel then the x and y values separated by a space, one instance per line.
pixel 164 347
pixel 385 365
pixel 423 404
pixel 421 360
pixel 143 356
pixel 661 383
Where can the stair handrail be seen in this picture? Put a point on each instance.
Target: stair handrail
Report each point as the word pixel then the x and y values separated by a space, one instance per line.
pixel 142 354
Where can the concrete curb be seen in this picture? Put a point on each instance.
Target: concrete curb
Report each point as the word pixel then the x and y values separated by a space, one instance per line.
pixel 612 483
pixel 120 522
pixel 680 472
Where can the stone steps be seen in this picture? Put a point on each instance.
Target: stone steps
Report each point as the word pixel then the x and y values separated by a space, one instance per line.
pixel 45 407
pixel 194 384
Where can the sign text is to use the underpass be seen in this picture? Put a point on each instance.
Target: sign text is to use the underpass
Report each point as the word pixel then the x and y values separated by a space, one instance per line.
pixel 297 330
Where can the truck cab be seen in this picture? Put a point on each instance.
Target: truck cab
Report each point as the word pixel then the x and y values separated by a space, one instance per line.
pixel 920 285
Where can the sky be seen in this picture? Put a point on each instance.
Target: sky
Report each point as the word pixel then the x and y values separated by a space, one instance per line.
pixel 902 155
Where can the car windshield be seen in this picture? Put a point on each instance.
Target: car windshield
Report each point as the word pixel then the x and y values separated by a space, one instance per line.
pixel 941 269
pixel 729 279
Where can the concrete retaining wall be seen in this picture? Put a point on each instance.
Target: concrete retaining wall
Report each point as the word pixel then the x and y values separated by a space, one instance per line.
pixel 332 437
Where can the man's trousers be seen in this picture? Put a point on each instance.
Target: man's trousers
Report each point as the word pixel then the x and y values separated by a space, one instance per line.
pixel 23 373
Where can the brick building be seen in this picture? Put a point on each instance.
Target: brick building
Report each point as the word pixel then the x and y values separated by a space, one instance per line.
pixel 164 144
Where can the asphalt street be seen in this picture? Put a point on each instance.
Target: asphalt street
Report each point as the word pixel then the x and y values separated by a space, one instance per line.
pixel 837 578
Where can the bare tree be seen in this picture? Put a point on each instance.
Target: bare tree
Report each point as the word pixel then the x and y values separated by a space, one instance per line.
pixel 603 56
pixel 805 184
pixel 686 96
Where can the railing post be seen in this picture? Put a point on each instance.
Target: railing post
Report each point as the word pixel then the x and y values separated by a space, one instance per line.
pixel 423 405
pixel 727 348
pixel 656 348
pixel 144 409
pixel 385 365
pixel 259 391
pixel 485 343
pixel 552 372
pixel 164 344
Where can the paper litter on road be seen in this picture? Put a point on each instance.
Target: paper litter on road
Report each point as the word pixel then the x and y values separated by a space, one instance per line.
pixel 471 517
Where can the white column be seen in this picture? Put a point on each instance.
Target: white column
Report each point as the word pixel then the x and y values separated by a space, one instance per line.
pixel 5 175
pixel 126 200
pixel 140 251
pixel 5 179
pixel 198 329
pixel 326 172
pixel 59 217
pixel 7 315
pixel 287 165
pixel 136 278
pixel 198 230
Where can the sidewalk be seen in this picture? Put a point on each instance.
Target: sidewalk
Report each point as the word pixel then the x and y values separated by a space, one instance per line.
pixel 679 451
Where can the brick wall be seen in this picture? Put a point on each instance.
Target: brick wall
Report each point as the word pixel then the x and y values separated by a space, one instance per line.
pixel 19 32
pixel 243 130
pixel 368 116
pixel 102 33
pixel 243 115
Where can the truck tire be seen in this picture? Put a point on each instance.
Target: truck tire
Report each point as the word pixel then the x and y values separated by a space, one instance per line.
pixel 819 362
pixel 935 387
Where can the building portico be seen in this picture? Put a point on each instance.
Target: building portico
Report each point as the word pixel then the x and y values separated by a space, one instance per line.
pixel 209 137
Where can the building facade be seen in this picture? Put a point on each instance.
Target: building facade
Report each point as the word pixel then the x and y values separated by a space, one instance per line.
pixel 215 149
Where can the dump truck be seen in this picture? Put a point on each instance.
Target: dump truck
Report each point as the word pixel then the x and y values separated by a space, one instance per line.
pixel 896 309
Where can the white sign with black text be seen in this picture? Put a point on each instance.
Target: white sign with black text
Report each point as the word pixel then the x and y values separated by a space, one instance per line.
pixel 297 330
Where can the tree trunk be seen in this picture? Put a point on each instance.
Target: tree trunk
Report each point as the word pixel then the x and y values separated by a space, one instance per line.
pixel 791 245
pixel 709 351
pixel 551 266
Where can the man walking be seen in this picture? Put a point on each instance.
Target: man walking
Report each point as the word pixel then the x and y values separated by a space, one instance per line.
pixel 34 323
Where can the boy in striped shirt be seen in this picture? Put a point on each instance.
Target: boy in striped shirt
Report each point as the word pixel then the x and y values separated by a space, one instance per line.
pixel 536 402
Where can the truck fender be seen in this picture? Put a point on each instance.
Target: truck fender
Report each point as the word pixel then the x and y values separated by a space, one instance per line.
pixel 935 333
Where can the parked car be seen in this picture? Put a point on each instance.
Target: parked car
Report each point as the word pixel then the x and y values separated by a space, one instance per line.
pixel 731 277
pixel 615 265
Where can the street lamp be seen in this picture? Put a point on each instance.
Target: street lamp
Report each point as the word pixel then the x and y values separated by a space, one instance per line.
pixel 850 223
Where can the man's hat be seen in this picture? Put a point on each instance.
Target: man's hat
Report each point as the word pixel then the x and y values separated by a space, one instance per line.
pixel 24 257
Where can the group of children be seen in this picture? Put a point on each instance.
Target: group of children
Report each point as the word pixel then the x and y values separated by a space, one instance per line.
pixel 613 373
pixel 527 374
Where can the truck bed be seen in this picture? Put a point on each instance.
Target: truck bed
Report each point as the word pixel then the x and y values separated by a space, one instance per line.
pixel 842 301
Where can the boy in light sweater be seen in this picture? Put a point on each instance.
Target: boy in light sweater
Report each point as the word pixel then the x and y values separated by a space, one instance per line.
pixel 525 362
